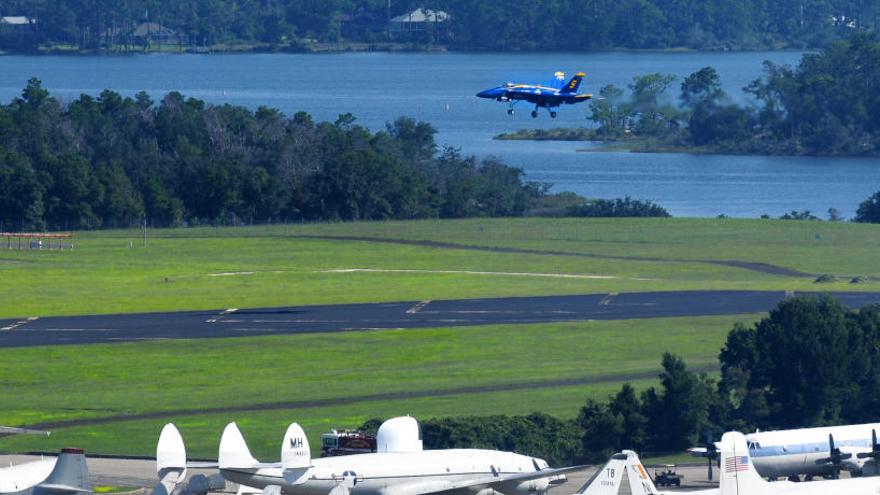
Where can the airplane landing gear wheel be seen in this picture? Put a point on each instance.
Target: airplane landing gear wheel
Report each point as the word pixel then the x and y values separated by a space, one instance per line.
pixel 552 115
pixel 510 111
pixel 534 114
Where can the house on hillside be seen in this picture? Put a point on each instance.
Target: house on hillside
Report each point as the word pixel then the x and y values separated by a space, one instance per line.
pixel 150 33
pixel 418 20
pixel 17 20
pixel 17 31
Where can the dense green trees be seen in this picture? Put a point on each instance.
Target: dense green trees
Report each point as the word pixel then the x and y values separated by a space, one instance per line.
pixel 826 105
pixel 869 210
pixel 811 362
pixel 475 24
pixel 110 161
pixel 620 207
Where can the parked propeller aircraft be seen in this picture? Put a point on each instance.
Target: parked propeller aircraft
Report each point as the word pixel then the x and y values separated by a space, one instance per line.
pixel 809 451
pixel 69 475
pixel 549 97
pixel 739 477
pixel 399 467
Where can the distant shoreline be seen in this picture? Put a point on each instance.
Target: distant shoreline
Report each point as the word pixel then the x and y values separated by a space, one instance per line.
pixel 354 47
pixel 635 144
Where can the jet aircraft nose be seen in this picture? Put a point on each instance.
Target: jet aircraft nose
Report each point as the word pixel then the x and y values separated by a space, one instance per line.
pixel 490 93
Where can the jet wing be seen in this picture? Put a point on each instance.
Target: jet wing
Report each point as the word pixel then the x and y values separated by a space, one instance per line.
pixel 487 481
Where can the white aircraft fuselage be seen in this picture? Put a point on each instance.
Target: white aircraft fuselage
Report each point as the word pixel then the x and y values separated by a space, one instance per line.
pixel 374 474
pixel 784 453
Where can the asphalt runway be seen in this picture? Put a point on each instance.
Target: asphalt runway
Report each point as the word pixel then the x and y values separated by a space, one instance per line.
pixel 234 322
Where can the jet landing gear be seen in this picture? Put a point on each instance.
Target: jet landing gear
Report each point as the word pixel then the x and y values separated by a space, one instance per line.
pixel 511 111
pixel 535 113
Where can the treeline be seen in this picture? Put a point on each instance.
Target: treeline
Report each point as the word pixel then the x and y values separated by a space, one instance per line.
pixel 811 362
pixel 827 105
pixel 474 25
pixel 113 161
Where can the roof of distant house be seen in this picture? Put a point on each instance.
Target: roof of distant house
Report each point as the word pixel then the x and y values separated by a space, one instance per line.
pixel 148 28
pixel 422 15
pixel 17 20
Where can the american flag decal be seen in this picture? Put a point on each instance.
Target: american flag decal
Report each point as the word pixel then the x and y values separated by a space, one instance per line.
pixel 736 464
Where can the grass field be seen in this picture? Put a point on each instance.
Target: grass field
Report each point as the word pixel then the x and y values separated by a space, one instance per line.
pixel 193 381
pixel 278 266
pixel 339 380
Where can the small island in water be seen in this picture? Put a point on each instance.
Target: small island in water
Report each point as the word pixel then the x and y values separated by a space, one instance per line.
pixel 824 106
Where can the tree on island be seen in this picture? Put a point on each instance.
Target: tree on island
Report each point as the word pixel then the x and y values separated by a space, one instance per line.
pixel 869 210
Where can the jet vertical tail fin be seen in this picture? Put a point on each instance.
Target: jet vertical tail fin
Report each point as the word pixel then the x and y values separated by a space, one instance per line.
pixel 558 80
pixel 234 452
pixel 70 476
pixel 639 481
pixel 607 480
pixel 738 474
pixel 573 85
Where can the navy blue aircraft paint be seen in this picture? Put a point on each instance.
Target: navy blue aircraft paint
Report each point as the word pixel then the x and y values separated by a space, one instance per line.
pixel 547 97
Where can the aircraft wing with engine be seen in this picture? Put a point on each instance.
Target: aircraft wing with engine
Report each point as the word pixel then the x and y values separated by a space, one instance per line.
pixel 496 483
pixel 6 431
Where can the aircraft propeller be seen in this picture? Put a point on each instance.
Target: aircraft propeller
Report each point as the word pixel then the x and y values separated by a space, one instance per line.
pixel 711 452
pixel 348 481
pixel 875 448
pixel 835 459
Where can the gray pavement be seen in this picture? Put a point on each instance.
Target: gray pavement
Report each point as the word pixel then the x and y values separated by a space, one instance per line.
pixel 33 330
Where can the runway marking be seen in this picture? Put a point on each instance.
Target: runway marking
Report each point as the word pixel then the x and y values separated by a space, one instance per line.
pixel 221 315
pixel 607 299
pixel 418 307
pixel 17 324
pixel 73 330
pixel 472 272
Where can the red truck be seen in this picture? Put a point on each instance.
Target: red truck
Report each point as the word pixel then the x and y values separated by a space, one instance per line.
pixel 346 442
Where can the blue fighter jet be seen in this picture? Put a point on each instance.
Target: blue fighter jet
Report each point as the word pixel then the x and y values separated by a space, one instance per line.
pixel 549 97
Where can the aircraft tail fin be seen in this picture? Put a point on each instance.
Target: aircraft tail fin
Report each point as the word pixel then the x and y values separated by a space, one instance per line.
pixel 295 452
pixel 572 86
pixel 171 453
pixel 639 481
pixel 70 476
pixel 234 452
pixel 558 80
pixel 170 461
pixel 607 480
pixel 738 474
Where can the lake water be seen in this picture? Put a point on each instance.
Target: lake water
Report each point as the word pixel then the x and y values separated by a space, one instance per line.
pixel 440 88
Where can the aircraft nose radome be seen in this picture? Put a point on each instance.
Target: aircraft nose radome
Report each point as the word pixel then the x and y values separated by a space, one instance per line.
pixel 489 93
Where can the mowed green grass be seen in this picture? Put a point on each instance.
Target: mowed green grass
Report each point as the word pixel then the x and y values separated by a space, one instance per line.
pixel 193 380
pixel 185 269
pixel 839 248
